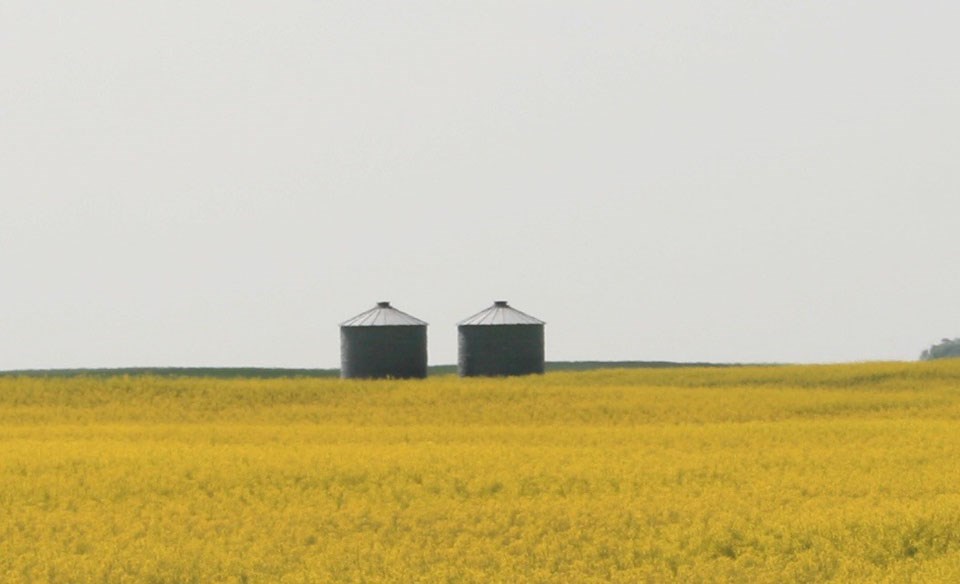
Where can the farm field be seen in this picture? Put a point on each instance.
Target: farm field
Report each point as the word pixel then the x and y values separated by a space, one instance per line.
pixel 752 474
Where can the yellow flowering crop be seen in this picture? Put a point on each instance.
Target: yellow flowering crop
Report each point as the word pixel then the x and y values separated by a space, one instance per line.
pixel 758 474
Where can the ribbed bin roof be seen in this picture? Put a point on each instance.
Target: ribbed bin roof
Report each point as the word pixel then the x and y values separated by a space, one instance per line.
pixel 383 315
pixel 500 314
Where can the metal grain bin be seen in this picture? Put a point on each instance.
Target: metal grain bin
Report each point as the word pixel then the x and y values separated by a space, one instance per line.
pixel 500 340
pixel 383 342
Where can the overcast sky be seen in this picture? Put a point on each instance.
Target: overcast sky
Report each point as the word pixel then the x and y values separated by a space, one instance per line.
pixel 221 182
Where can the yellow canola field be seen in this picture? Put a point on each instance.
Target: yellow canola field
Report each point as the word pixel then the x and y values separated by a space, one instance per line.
pixel 757 474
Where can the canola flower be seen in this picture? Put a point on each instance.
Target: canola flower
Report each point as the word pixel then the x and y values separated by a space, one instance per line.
pixel 754 474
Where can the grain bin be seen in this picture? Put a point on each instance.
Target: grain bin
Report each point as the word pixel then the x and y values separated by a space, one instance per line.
pixel 500 340
pixel 383 342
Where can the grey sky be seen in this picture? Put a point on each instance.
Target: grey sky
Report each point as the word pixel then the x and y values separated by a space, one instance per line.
pixel 222 182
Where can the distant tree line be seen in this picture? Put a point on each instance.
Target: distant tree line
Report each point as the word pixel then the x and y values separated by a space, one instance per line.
pixel 943 349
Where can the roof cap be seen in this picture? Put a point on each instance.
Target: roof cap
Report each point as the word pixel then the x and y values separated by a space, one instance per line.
pixel 500 314
pixel 383 315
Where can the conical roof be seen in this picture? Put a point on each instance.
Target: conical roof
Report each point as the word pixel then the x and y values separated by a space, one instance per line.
pixel 383 315
pixel 500 314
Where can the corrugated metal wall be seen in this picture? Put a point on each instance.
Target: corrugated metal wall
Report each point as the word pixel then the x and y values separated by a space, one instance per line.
pixel 383 351
pixel 492 350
